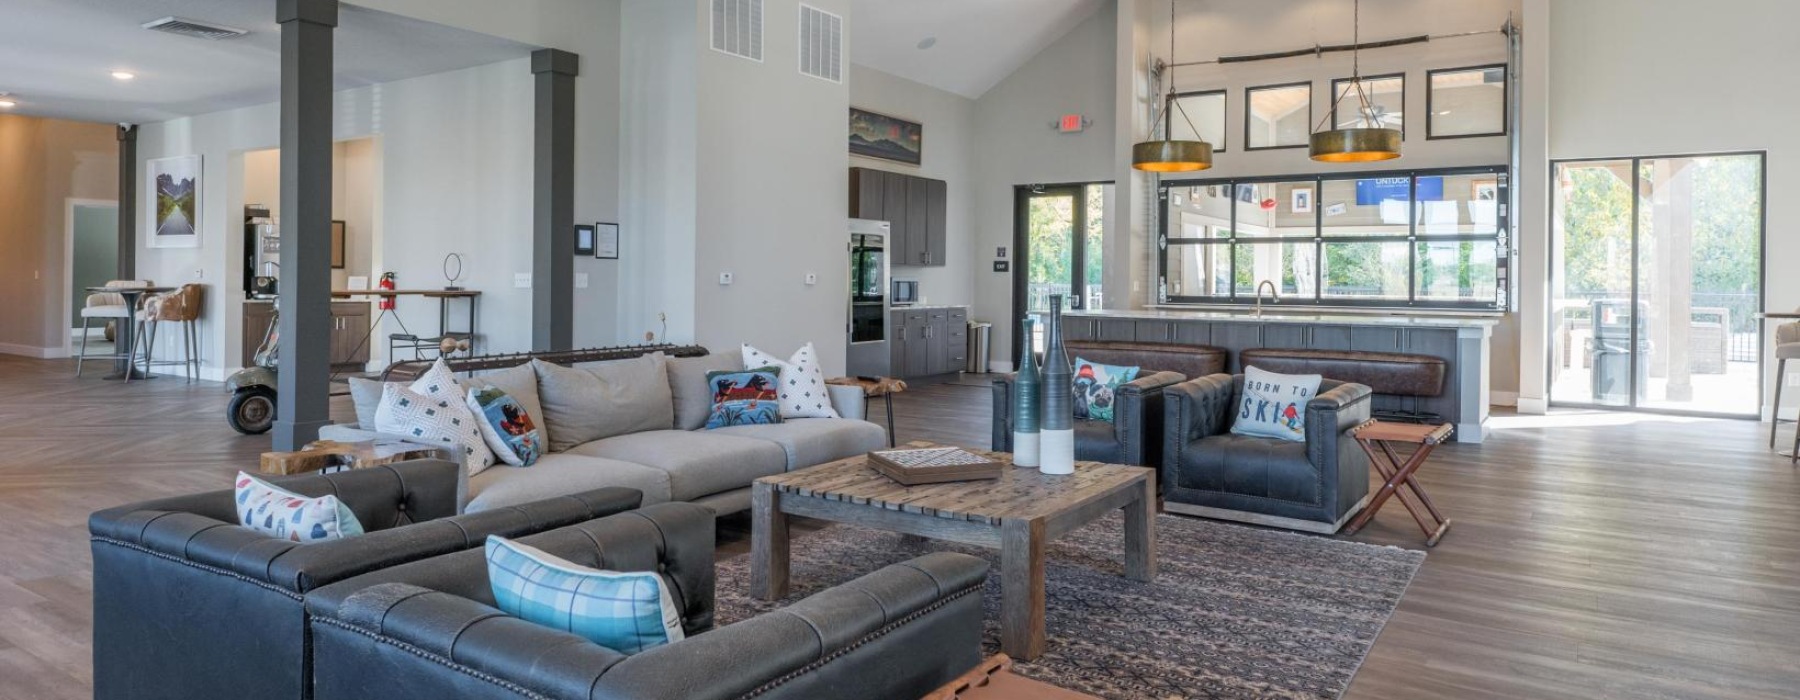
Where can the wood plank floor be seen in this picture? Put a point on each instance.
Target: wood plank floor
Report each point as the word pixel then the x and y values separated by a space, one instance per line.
pixel 1592 555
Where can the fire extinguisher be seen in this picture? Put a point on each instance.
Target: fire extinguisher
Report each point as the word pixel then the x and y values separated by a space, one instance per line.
pixel 387 282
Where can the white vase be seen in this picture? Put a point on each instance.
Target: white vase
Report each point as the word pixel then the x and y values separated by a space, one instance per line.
pixel 1025 449
pixel 1057 454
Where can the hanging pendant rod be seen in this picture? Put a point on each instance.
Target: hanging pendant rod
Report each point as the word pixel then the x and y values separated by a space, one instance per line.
pixel 1318 50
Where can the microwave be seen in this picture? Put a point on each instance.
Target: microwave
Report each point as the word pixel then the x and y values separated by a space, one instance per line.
pixel 906 292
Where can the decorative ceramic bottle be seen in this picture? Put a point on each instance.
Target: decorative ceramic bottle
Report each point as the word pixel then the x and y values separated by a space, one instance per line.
pixel 1025 409
pixel 1057 433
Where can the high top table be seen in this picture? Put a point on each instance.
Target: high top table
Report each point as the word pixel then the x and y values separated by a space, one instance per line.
pixel 125 368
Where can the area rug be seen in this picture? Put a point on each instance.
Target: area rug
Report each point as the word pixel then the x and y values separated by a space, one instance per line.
pixel 1234 612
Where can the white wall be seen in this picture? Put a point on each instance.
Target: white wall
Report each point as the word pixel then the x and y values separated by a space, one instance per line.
pixel 1612 66
pixel 659 113
pixel 949 151
pixel 1014 145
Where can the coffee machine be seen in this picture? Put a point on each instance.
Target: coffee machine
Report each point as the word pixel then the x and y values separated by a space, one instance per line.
pixel 262 253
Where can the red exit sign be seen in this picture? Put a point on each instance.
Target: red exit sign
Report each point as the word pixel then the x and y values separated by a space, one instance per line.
pixel 1071 123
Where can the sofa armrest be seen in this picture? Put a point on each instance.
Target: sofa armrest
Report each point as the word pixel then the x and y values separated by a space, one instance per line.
pixel 1193 409
pixel 1330 416
pixel 848 401
pixel 1003 418
pixel 1138 417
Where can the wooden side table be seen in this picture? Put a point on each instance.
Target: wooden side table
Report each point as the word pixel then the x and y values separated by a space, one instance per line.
pixel 884 387
pixel 1380 435
pixel 994 680
pixel 328 454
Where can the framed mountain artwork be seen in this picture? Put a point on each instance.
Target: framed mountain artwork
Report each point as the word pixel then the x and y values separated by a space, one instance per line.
pixel 875 135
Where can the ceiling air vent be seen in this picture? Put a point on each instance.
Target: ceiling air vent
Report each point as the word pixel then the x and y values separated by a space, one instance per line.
pixel 821 44
pixel 194 28
pixel 737 28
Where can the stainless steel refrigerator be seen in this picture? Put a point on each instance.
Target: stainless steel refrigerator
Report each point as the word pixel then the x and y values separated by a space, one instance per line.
pixel 868 299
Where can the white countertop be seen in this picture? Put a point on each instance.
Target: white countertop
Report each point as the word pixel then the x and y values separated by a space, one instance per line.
pixel 1274 315
pixel 926 307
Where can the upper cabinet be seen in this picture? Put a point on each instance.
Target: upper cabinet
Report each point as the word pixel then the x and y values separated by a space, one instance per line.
pixel 916 209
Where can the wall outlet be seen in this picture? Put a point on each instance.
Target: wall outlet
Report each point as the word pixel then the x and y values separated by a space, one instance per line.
pixel 812 278
pixel 522 280
pixel 724 278
pixel 199 273
pixel 581 280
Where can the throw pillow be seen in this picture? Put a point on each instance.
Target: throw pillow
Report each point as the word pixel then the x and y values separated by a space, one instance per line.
pixel 283 514
pixel 1095 386
pixel 519 382
pixel 691 389
pixel 1274 405
pixel 365 396
pixel 618 397
pixel 802 391
pixel 506 426
pixel 744 397
pixel 626 612
pixel 434 421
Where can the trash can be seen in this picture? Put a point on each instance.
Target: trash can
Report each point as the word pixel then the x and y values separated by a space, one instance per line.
pixel 1610 351
pixel 980 336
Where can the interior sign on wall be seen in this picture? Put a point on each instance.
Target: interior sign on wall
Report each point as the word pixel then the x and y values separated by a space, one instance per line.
pixel 1072 123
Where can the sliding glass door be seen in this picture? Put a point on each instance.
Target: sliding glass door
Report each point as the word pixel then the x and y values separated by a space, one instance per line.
pixel 1656 269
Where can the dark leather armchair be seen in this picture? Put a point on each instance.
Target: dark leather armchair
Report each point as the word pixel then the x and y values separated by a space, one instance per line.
pixel 188 604
pixel 1209 471
pixel 1135 435
pixel 428 630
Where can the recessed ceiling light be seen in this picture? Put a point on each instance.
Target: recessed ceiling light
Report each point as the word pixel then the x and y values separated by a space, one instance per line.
pixel 123 75
pixel 927 42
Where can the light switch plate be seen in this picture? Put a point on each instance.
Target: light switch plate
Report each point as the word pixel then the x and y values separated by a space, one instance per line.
pixel 522 280
pixel 581 280
pixel 724 278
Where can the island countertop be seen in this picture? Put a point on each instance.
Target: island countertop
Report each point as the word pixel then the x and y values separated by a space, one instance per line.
pixel 1308 317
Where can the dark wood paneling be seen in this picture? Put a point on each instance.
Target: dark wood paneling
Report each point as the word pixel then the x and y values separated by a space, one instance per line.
pixel 1193 332
pixel 1115 329
pixel 1377 339
pixel 1155 332
pixel 937 212
pixel 1329 338
pixel 1283 335
pixel 918 221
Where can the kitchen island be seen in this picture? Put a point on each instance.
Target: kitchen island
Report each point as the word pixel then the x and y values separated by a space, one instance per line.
pixel 1462 342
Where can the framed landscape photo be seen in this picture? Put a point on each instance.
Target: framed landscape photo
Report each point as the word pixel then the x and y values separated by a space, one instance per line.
pixel 875 135
pixel 172 202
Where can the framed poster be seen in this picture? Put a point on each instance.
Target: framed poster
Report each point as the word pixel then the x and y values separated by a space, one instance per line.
pixel 172 202
pixel 337 245
pixel 1300 200
pixel 607 247
pixel 584 239
pixel 889 138
pixel 1484 190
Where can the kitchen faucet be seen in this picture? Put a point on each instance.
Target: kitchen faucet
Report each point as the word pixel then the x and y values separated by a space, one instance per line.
pixel 1273 293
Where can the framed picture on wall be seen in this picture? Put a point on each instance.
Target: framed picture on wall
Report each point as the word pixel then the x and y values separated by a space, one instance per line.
pixel 1484 190
pixel 875 135
pixel 172 202
pixel 1300 200
pixel 607 247
pixel 337 245
pixel 584 239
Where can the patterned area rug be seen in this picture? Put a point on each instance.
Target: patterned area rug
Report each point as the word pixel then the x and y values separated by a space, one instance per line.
pixel 1234 612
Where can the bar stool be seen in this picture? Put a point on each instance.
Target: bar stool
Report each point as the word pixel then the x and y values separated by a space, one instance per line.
pixel 1787 347
pixel 181 307
pixel 107 306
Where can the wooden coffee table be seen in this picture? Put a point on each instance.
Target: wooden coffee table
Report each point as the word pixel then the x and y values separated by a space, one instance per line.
pixel 1019 513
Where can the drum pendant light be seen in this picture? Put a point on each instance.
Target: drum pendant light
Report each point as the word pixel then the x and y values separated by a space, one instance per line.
pixel 1171 155
pixel 1369 142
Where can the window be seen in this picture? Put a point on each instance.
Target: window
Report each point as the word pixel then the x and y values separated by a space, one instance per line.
pixel 1387 101
pixel 1278 116
pixel 1415 239
pixel 1201 115
pixel 1464 102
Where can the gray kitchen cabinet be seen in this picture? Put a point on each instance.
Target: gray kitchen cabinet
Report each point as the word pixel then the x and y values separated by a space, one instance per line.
pixel 916 209
pixel 930 341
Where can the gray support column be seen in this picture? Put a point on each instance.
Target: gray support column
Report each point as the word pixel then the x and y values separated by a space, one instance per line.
pixel 128 187
pixel 553 201
pixel 303 404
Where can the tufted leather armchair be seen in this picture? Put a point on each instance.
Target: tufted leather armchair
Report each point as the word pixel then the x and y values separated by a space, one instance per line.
pixel 1135 435
pixel 428 630
pixel 188 604
pixel 1313 486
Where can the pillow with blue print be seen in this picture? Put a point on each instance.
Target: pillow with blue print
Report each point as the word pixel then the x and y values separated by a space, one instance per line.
pixel 627 612
pixel 1274 404
pixel 283 514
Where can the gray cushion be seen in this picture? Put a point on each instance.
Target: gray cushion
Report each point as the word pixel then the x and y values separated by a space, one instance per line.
pixel 687 382
pixel 554 475
pixel 519 382
pixel 814 441
pixel 1247 465
pixel 365 395
pixel 604 400
pixel 698 463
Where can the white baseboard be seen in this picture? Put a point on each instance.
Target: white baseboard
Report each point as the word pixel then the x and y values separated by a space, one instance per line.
pixel 1532 406
pixel 1503 398
pixel 33 351
pixel 1000 366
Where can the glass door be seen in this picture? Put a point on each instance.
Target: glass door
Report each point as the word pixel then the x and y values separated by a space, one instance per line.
pixel 1060 243
pixel 1657 273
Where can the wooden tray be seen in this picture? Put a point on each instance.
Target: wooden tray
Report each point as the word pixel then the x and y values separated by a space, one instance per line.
pixel 934 465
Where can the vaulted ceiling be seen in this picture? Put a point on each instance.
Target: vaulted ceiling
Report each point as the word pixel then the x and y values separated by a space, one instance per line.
pixel 972 44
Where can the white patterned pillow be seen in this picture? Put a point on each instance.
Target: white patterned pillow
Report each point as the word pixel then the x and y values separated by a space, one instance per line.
pixel 802 391
pixel 434 420
pixel 283 514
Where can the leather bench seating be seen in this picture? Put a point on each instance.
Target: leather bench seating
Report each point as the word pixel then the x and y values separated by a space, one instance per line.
pixel 428 630
pixel 1135 435
pixel 188 604
pixel 1397 379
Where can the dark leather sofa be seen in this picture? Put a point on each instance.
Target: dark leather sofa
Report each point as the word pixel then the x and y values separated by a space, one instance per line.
pixel 1313 486
pixel 188 604
pixel 1402 383
pixel 428 631
pixel 1135 436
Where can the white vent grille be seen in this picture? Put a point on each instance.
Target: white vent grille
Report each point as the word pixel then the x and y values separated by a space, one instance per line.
pixel 737 28
pixel 821 44
pixel 194 28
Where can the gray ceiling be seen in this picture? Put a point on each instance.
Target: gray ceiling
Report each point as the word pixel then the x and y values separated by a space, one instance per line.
pixel 56 56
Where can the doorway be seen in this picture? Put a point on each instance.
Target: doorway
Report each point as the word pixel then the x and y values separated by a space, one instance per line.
pixel 1060 241
pixel 1656 278
pixel 93 240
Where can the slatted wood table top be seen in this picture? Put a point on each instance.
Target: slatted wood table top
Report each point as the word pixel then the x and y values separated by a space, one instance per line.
pixel 1025 494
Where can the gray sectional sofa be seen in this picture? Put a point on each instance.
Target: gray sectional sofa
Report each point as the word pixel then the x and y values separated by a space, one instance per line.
pixel 638 424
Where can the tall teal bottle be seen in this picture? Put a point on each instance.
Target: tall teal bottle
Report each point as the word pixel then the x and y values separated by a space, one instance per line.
pixel 1056 434
pixel 1025 409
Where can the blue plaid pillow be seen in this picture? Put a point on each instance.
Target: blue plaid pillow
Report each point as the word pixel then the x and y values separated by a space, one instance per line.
pixel 625 612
